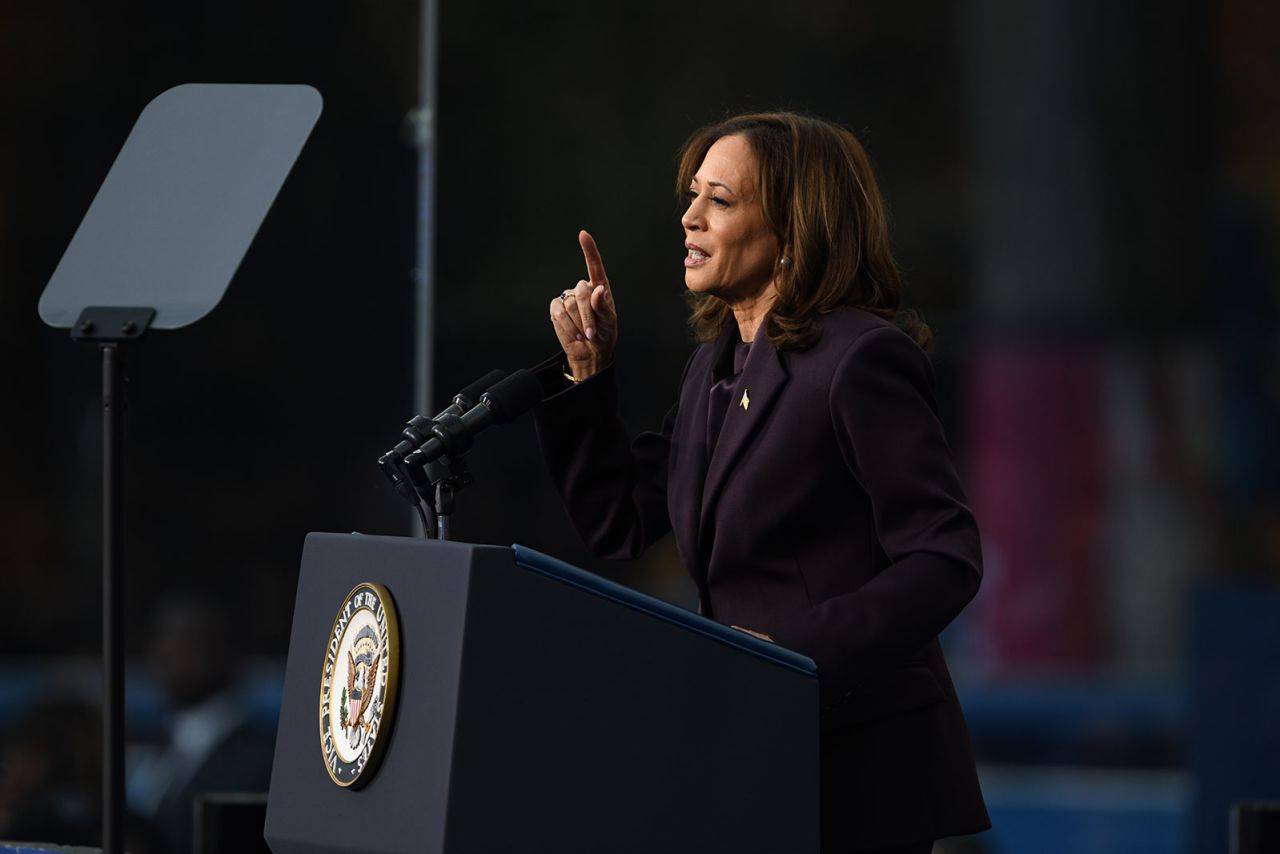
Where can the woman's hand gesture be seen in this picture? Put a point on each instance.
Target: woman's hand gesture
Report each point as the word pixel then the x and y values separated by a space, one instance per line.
pixel 584 317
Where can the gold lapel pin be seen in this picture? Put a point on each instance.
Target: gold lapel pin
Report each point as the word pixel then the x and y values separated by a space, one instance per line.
pixel 746 401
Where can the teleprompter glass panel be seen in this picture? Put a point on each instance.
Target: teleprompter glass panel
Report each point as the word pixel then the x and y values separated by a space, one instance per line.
pixel 183 201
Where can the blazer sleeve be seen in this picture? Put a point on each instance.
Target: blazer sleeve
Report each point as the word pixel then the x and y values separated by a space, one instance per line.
pixel 889 434
pixel 615 490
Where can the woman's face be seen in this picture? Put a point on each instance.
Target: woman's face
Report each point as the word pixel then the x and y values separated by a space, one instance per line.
pixel 731 252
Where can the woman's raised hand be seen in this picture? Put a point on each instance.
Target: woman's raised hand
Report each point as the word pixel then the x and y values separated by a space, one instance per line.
pixel 584 317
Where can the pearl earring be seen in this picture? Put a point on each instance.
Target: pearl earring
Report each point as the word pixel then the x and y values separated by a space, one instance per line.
pixel 784 261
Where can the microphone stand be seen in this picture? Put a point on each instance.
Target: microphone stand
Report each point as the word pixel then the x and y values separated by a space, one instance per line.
pixel 446 476
pixel 430 487
pixel 406 472
pixel 437 458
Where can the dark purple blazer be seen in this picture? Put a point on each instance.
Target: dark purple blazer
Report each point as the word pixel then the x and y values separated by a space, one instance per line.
pixel 829 516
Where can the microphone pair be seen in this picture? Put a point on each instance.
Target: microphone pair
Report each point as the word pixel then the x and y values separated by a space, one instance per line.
pixel 495 398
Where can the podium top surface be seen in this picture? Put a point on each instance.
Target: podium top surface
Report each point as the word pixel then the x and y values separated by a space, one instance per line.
pixel 182 202
pixel 553 567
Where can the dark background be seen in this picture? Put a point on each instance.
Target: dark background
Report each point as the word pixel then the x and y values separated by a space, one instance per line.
pixel 1085 203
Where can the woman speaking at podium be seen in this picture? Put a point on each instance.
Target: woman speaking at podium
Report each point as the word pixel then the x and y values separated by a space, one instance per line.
pixel 803 469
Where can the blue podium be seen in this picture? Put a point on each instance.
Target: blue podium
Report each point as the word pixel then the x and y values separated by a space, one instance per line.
pixel 529 706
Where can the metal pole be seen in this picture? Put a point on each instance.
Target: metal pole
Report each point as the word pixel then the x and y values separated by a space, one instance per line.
pixel 112 601
pixel 424 132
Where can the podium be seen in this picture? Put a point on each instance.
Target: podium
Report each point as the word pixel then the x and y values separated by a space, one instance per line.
pixel 539 708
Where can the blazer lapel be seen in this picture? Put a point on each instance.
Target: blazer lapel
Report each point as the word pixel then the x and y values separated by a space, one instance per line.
pixel 761 383
pixel 688 472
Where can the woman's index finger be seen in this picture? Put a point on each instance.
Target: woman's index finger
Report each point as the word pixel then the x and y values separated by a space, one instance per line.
pixel 595 264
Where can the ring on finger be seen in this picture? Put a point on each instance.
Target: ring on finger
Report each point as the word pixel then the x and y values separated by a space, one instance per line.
pixel 564 297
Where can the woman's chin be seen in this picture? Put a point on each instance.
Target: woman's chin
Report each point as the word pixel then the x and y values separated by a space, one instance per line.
pixel 698 283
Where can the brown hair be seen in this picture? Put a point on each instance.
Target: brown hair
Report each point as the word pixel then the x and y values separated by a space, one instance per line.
pixel 820 198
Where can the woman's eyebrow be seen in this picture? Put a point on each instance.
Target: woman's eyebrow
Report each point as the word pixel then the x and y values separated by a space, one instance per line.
pixel 716 184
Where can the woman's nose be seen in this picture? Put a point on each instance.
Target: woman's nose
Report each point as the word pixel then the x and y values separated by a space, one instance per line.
pixel 692 219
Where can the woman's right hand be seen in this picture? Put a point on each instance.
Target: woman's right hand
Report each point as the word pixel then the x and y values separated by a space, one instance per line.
pixel 584 317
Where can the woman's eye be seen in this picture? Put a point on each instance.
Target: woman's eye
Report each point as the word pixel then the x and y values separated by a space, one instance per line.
pixel 692 195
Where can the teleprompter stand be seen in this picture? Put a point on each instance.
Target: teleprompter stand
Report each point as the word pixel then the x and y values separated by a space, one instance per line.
pixel 156 250
pixel 112 329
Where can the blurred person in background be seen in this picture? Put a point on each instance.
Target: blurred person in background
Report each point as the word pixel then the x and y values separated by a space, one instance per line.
pixel 49 774
pixel 212 744
pixel 51 778
pixel 803 470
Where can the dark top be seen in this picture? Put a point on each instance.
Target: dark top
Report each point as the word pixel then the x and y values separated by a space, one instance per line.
pixel 722 395
pixel 827 514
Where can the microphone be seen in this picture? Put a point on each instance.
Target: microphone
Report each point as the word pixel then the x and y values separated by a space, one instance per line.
pixel 418 431
pixel 454 434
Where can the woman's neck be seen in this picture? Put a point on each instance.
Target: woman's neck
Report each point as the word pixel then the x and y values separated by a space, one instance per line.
pixel 750 311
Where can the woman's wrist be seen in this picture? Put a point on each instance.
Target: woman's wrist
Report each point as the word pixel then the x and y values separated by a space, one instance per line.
pixel 576 372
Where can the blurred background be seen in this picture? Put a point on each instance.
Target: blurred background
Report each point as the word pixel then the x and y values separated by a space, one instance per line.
pixel 1086 204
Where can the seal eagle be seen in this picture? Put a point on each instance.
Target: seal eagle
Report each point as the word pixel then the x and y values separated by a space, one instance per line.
pixel 361 700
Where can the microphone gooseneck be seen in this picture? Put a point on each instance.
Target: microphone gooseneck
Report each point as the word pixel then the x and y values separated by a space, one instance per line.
pixel 503 403
pixel 428 466
pixel 418 431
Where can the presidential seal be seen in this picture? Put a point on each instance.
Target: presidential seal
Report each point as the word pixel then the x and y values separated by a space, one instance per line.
pixel 358 685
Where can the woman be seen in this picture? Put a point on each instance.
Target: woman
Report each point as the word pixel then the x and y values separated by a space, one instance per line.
pixel 803 469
